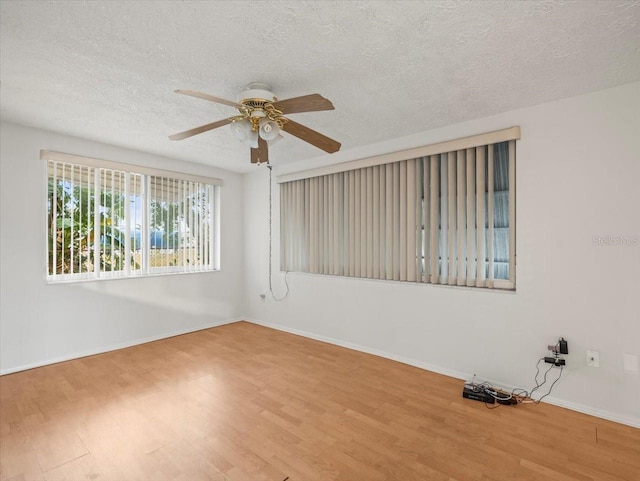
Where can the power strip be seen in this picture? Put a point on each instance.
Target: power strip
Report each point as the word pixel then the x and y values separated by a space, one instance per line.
pixel 556 361
pixel 477 393
pixel 483 393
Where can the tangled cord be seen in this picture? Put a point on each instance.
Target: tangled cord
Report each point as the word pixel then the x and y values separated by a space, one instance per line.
pixel 519 395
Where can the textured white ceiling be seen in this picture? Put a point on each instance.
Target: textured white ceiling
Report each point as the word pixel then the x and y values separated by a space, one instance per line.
pixel 107 70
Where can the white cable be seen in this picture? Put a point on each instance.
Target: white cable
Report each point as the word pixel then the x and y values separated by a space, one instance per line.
pixel 270 245
pixel 498 395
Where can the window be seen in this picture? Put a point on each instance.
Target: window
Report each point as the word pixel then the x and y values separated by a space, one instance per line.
pixel 446 215
pixel 107 220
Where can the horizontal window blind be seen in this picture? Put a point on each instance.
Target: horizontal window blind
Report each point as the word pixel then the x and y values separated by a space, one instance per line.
pixel 105 222
pixel 446 218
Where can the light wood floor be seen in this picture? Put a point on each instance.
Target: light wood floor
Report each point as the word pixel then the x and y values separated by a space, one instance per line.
pixel 243 402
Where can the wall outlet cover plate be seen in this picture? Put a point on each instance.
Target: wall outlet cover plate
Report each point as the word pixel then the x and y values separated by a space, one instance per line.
pixel 593 359
pixel 631 363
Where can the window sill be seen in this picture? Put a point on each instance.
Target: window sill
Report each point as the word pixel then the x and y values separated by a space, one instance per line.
pixel 503 290
pixel 51 282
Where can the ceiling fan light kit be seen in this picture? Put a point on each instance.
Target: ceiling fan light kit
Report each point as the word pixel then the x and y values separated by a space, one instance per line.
pixel 241 129
pixel 269 130
pixel 252 139
pixel 262 117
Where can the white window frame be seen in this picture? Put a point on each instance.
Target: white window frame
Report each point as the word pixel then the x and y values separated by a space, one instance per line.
pixel 212 185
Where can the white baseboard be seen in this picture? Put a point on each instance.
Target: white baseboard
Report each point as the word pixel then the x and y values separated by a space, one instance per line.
pixel 627 420
pixel 115 347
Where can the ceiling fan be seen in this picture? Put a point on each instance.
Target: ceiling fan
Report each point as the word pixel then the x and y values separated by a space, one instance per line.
pixel 261 118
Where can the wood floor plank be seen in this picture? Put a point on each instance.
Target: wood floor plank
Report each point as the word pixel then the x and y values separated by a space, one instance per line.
pixel 55 445
pixel 245 403
pixel 18 458
pixel 82 468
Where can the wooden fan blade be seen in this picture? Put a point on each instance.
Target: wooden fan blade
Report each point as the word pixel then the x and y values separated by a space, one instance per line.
pixel 202 128
pixel 210 98
pixel 306 103
pixel 314 138
pixel 261 154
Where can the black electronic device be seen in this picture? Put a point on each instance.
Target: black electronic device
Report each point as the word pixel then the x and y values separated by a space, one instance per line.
pixel 477 393
pixel 564 346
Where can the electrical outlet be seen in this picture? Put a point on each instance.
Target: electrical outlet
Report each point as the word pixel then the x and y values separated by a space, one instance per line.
pixel 593 359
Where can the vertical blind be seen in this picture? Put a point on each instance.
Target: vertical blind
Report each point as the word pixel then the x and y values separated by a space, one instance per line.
pixel 105 222
pixel 445 218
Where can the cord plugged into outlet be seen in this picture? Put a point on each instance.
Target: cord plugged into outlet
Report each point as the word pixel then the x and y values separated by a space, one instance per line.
pixel 494 397
pixel 563 346
pixel 558 349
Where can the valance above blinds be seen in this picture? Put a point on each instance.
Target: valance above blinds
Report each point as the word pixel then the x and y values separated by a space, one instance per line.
pixel 442 218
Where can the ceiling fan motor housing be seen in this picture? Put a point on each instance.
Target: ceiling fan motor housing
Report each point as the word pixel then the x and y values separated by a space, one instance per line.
pixel 257 91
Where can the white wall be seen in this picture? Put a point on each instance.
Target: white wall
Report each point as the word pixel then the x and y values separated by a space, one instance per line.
pixel 578 176
pixel 41 323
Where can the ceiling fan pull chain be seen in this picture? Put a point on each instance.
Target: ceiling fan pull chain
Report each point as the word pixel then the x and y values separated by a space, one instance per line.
pixel 270 245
